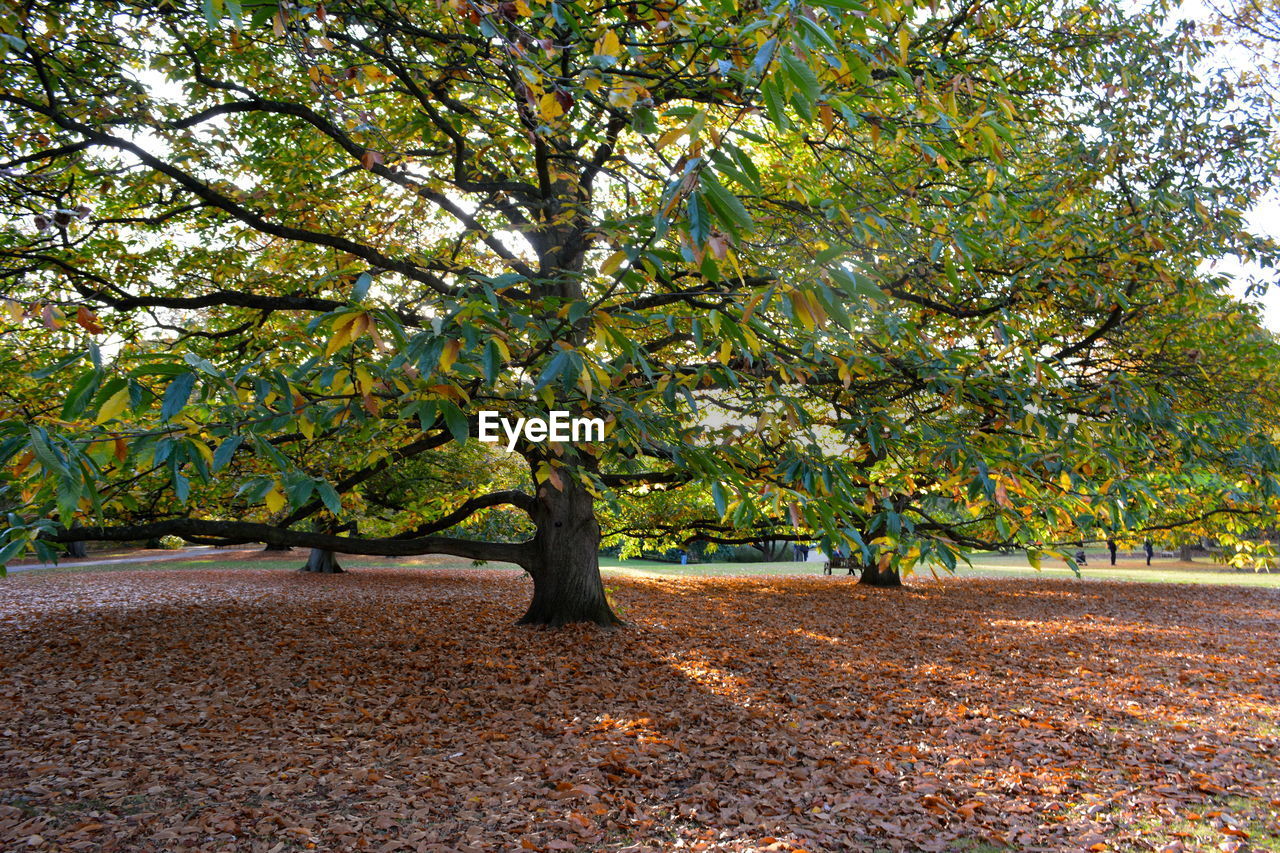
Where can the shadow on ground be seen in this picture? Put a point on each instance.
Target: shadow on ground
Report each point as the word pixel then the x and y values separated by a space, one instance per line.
pixel 402 710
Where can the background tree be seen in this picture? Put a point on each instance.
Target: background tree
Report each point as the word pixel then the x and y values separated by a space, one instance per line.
pixel 880 273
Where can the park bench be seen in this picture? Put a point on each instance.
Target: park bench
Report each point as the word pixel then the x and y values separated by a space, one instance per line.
pixel 840 563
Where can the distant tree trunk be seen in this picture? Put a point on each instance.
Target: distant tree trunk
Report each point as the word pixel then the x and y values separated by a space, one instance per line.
pixel 564 560
pixel 322 562
pixel 1184 552
pixel 270 547
pixel 76 548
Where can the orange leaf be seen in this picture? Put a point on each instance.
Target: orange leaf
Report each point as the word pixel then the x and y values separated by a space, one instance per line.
pixel 88 320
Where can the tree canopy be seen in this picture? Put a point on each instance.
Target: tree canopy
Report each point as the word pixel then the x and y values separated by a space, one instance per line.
pixel 910 279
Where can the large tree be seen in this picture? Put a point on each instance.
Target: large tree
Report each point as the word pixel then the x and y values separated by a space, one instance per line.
pixel 904 277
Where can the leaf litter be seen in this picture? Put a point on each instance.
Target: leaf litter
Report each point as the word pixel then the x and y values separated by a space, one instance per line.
pixel 393 709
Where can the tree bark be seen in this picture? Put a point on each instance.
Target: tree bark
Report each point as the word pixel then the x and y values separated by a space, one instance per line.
pixel 1185 553
pixel 77 549
pixel 322 562
pixel 873 576
pixel 564 560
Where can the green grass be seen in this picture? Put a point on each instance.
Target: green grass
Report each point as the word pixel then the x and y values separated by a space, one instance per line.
pixel 984 565
pixel 1127 569
pixel 1253 815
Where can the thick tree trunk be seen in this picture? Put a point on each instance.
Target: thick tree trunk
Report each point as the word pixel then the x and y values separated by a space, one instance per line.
pixel 873 576
pixel 322 562
pixel 1185 553
pixel 564 560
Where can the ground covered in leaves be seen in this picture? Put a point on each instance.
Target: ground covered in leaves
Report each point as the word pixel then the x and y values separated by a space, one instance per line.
pixel 402 710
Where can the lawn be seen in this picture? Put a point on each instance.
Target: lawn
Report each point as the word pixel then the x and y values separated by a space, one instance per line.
pixel 400 709
pixel 985 565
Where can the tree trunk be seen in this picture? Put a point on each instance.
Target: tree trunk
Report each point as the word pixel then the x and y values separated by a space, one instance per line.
pixel 322 562
pixel 873 576
pixel 1184 553
pixel 564 560
pixel 269 547
pixel 77 549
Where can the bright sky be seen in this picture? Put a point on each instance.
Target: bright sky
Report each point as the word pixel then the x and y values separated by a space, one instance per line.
pixel 1263 219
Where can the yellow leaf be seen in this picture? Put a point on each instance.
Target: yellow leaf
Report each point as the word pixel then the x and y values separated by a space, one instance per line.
pixel 670 136
pixel 726 350
pixel 614 261
pixel 549 107
pixel 828 117
pixel 803 310
pixel 364 379
pixel 624 96
pixel 503 349
pixel 449 355
pixel 114 406
pixel 342 333
pixel 205 450
pixel 307 428
pixel 608 44
pixel 904 43
pixel 275 499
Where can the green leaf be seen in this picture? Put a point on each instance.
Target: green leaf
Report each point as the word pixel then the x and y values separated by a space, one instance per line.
pixel 329 495
pixel 223 455
pixel 176 396
pixel 728 208
pixel 806 82
pixel 774 103
pixel 764 56
pixel 80 395
pixel 564 366
pixel 212 12
pixel 492 362
pixel 361 287
pixel 456 421
pixel 9 552
pixel 856 284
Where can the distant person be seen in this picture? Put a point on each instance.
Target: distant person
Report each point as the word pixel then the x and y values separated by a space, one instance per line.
pixel 801 552
pixel 1150 552
pixel 1111 546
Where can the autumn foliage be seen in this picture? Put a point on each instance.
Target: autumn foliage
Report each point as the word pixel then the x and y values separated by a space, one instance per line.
pixel 402 710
